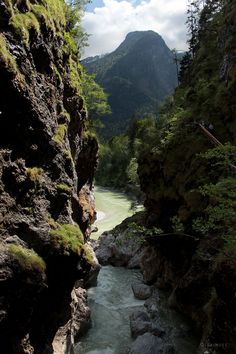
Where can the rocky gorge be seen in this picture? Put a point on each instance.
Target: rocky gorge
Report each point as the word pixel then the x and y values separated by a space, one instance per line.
pixel 184 241
pixel 179 265
pixel 47 161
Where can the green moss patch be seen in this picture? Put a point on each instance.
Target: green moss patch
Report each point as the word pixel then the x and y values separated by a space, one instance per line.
pixel 88 254
pixel 67 238
pixel 64 188
pixel 34 173
pixel 6 57
pixel 60 133
pixel 75 74
pixel 27 259
pixel 23 23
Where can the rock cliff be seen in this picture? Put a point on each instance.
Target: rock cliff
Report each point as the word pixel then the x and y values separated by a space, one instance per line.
pixel 47 161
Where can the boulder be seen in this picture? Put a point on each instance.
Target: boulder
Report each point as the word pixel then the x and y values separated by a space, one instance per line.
pixel 147 344
pixel 141 291
pixel 140 323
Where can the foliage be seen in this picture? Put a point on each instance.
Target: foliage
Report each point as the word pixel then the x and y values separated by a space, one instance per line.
pixel 219 215
pixel 177 225
pixel 95 97
pixel 131 171
pixel 180 171
pixel 118 159
pixel 67 238
pixel 29 260
pixel 138 234
pixel 146 232
pixel 113 162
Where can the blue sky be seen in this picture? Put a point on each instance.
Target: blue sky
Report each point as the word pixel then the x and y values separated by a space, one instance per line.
pixel 99 3
pixel 96 3
pixel 108 22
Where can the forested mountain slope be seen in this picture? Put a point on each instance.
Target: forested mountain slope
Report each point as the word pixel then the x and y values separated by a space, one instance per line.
pixel 137 76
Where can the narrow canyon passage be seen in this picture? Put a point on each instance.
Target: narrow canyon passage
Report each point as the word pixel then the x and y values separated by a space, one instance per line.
pixel 112 301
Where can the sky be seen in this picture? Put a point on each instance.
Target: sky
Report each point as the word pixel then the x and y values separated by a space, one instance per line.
pixel 108 22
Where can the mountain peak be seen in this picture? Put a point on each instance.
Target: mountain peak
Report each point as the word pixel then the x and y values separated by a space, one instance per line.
pixel 133 37
pixel 139 34
pixel 138 75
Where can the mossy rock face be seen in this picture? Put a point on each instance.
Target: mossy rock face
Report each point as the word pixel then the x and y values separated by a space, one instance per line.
pixel 62 187
pixel 34 173
pixel 88 255
pixel 28 259
pixel 67 238
pixel 5 55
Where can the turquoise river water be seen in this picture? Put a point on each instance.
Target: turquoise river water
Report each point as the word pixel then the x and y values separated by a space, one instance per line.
pixel 112 300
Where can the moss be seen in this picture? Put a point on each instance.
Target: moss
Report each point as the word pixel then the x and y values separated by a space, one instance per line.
pixel 56 10
pixel 52 223
pixel 27 259
pixel 9 7
pixel 6 56
pixel 88 254
pixel 64 188
pixel 60 133
pixel 70 45
pixel 50 12
pixel 43 15
pixel 23 23
pixel 74 74
pixel 58 75
pixel 64 117
pixel 67 238
pixel 68 155
pixel 34 173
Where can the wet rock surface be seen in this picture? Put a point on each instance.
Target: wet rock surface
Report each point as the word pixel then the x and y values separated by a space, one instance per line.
pixel 141 291
pixel 150 344
pixel 119 247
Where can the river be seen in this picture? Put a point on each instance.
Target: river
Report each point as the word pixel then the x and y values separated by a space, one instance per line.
pixel 112 301
pixel 112 208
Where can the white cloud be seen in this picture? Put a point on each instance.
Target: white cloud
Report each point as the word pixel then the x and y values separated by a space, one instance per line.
pixel 108 25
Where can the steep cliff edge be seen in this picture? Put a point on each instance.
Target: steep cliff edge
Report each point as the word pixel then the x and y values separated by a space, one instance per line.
pixel 47 161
